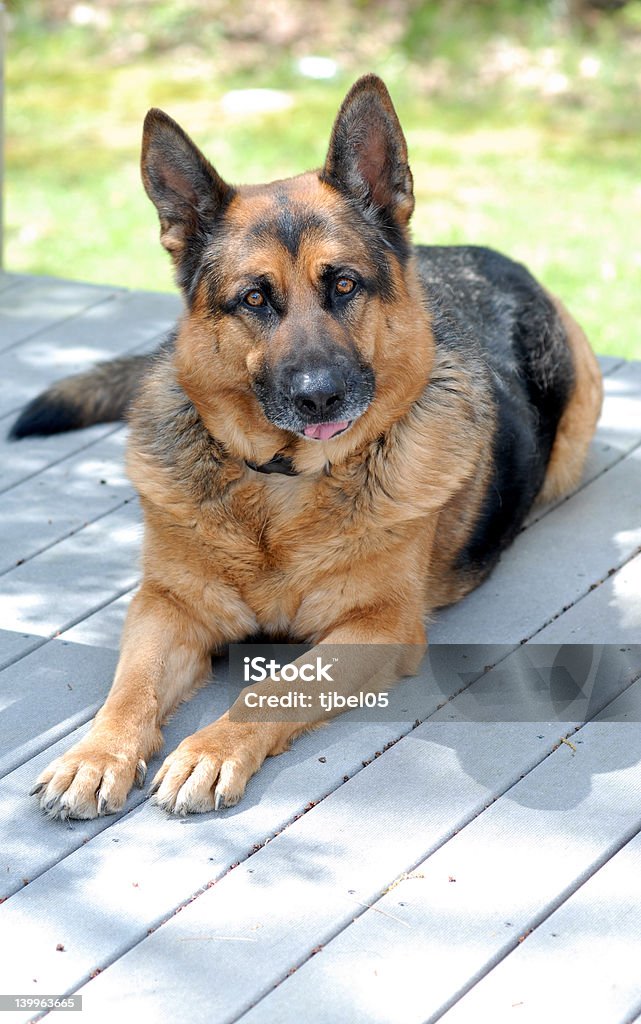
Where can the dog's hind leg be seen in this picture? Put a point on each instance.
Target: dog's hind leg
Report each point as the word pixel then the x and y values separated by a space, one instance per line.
pixel 577 424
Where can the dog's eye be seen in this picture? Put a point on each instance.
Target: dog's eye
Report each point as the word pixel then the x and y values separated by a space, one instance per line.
pixel 344 285
pixel 254 298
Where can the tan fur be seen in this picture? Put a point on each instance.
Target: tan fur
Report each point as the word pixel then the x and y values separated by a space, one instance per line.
pixel 579 419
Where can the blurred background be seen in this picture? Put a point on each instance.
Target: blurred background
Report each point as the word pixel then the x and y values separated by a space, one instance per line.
pixel 523 122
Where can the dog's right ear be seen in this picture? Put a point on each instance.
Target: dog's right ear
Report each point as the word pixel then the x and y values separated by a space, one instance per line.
pixel 187 192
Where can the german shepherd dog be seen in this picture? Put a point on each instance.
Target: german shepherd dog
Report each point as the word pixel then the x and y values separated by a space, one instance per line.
pixel 342 434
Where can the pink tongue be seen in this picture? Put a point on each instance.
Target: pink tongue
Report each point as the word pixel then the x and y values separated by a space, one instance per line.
pixel 323 431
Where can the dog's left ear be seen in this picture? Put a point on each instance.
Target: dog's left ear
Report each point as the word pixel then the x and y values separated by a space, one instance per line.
pixel 367 155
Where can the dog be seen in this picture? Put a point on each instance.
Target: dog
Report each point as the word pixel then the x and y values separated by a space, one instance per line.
pixel 342 434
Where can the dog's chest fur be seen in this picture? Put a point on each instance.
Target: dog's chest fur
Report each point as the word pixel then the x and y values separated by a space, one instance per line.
pixel 294 550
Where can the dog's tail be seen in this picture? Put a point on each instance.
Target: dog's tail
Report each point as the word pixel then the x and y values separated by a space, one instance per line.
pixel 100 395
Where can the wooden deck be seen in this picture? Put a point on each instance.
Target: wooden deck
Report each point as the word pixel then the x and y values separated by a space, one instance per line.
pixel 451 869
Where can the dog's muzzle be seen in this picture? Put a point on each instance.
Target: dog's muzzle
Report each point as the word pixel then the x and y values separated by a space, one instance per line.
pixel 317 402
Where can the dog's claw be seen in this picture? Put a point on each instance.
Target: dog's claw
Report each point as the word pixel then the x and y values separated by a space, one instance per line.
pixel 102 805
pixel 219 802
pixel 153 789
pixel 141 773
pixel 38 788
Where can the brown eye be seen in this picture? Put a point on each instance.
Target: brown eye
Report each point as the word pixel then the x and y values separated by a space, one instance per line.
pixel 254 298
pixel 345 285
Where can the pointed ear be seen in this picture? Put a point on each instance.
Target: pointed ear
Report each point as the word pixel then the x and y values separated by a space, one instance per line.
pixel 187 192
pixel 367 155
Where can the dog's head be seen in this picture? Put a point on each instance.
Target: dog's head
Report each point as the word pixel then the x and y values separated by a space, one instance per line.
pixel 302 302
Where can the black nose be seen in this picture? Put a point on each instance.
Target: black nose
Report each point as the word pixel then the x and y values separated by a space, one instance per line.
pixel 318 393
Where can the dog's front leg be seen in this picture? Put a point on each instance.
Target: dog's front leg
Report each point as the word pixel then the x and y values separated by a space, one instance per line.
pixel 210 769
pixel 166 654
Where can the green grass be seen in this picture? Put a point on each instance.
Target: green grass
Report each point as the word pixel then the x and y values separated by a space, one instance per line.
pixel 522 136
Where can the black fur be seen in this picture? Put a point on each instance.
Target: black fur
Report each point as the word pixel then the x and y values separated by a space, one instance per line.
pixel 493 309
pixel 46 415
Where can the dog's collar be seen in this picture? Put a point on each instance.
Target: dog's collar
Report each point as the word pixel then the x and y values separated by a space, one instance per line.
pixel 279 464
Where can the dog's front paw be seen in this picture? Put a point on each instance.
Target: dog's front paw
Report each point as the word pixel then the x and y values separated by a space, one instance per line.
pixel 88 781
pixel 210 769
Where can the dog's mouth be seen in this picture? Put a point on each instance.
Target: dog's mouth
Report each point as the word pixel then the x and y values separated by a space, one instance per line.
pixel 325 431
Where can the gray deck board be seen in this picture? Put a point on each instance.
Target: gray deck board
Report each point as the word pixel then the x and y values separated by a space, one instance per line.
pixel 301 889
pixel 259 935
pixel 573 548
pixel 582 963
pixel 611 610
pixel 75 577
pixel 435 934
pixel 47 694
pixel 14 646
pixel 24 459
pixel 74 492
pixel 119 323
pixel 104 627
pixel 610 363
pixel 619 427
pixel 8 280
pixel 32 308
